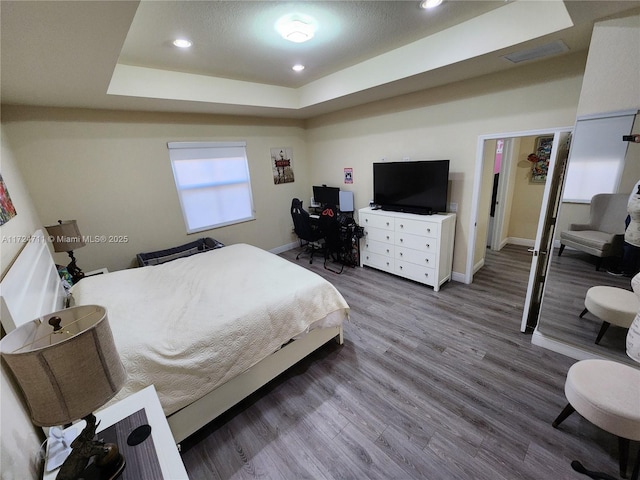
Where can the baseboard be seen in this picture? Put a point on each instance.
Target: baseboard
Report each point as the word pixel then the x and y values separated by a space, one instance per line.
pixel 540 339
pixel 525 242
pixel 478 266
pixel 284 248
pixel 458 277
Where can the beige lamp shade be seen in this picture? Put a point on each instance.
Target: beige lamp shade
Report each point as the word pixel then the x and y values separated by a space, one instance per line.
pixel 65 236
pixel 67 374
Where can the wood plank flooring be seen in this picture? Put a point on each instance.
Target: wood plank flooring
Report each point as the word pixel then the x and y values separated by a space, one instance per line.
pixel 570 276
pixel 426 386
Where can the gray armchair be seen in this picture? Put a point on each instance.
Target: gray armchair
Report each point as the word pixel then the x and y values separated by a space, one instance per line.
pixel 603 236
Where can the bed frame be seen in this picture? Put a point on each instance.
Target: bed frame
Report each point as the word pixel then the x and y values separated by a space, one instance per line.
pixel 32 288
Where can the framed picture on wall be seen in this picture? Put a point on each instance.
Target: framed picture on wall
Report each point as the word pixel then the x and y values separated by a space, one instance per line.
pixel 7 210
pixel 282 165
pixel 540 159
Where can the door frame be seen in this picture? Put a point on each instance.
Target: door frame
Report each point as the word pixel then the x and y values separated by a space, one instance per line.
pixel 477 185
pixel 503 184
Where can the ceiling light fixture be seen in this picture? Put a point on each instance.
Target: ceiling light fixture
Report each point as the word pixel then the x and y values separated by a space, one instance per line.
pixel 430 3
pixel 296 28
pixel 182 43
pixel 298 68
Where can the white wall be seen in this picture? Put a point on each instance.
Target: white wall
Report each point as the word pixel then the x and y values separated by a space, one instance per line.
pixel 612 74
pixel 111 172
pixel 444 123
pixel 19 439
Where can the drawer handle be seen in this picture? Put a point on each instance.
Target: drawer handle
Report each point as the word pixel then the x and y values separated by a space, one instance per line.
pixel 367 245
pixel 426 274
pixel 387 264
pixel 367 257
pixel 387 224
pixel 428 245
pixel 401 254
pixel 366 220
pixel 387 250
pixel 428 230
pixel 426 260
pixel 400 267
pixel 387 237
pixel 401 240
pixel 401 226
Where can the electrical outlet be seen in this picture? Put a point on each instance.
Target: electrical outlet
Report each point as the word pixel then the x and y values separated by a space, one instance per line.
pixel 453 207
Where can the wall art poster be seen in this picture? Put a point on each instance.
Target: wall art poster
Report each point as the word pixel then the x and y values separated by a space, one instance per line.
pixel 540 159
pixel 348 175
pixel 7 210
pixel 282 165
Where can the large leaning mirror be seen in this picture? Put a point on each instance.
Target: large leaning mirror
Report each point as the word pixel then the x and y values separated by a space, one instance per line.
pixel 582 263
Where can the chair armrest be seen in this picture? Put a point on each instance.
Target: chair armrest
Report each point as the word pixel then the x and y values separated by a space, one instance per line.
pixel 580 226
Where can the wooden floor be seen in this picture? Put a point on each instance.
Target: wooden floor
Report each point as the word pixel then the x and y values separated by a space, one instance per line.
pixel 427 385
pixel 570 276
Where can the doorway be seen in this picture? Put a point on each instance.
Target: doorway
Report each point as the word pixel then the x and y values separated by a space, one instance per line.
pixel 514 175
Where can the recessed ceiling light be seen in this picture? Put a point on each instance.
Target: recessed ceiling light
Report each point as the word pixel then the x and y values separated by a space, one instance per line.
pixel 298 68
pixel 430 3
pixel 182 43
pixel 296 28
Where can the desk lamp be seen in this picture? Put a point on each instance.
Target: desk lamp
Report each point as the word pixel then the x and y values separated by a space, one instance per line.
pixel 66 237
pixel 67 366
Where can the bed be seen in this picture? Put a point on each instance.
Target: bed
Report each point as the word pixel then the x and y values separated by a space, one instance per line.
pixel 206 330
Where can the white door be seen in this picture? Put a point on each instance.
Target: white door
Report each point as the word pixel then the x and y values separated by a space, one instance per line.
pixel 543 247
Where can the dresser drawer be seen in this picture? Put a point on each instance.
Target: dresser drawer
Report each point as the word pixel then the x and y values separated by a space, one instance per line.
pixel 415 242
pixel 423 259
pixel 417 227
pixel 379 235
pixel 381 262
pixel 376 221
pixel 416 272
pixel 380 248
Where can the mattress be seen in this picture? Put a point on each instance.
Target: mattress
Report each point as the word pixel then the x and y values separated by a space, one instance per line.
pixel 189 325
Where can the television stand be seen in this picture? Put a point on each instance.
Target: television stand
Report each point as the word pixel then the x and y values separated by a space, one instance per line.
pixel 417 247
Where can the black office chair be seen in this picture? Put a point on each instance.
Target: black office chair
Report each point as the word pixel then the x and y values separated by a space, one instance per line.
pixel 305 229
pixel 333 241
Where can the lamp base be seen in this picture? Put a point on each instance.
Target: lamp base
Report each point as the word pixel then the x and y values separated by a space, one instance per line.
pixel 91 459
pixel 73 269
pixel 108 467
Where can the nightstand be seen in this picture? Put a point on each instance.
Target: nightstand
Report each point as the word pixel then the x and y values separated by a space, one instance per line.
pixel 170 462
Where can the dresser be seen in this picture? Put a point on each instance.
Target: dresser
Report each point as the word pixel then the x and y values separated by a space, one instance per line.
pixel 417 247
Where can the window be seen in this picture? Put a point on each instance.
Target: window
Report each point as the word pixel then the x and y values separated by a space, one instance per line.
pixel 213 184
pixel 596 158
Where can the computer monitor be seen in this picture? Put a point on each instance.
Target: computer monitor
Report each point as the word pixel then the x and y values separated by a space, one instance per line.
pixel 326 195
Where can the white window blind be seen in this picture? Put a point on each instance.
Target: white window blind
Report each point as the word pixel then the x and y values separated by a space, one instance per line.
pixel 212 179
pixel 596 158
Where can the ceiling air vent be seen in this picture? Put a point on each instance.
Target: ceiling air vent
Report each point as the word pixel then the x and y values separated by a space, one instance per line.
pixel 541 51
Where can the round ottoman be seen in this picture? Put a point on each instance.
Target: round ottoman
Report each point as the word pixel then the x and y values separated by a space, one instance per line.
pixel 612 305
pixel 606 393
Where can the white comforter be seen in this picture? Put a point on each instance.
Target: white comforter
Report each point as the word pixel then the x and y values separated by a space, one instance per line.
pixel 189 325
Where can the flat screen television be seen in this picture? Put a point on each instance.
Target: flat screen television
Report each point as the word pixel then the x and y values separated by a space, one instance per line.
pixel 413 187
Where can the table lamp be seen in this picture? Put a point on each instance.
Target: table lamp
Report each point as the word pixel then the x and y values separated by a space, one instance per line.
pixel 66 237
pixel 67 366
